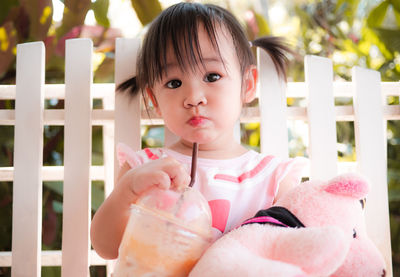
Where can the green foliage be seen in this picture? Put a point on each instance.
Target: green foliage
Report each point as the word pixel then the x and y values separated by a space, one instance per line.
pixel 6 7
pixel 100 9
pixel 51 271
pixel 5 215
pixel 377 15
pixel 348 8
pixel 146 10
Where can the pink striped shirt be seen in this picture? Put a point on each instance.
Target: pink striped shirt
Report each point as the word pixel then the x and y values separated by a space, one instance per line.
pixel 235 188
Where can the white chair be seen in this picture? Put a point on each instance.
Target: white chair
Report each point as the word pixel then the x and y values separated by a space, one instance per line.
pixel 121 119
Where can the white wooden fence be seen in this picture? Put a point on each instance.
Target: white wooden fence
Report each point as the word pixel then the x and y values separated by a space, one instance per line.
pixel 121 119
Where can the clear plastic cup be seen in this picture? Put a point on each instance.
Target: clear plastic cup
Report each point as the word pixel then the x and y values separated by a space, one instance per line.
pixel 166 234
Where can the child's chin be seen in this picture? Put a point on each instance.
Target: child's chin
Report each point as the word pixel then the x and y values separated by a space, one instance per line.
pixel 199 139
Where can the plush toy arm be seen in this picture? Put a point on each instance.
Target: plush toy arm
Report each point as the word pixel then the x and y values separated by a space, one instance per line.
pixel 229 257
pixel 317 250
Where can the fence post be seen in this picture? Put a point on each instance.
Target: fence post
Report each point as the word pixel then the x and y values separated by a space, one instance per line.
pixel 272 105
pixel 28 161
pixel 370 134
pixel 127 109
pixel 321 117
pixel 77 157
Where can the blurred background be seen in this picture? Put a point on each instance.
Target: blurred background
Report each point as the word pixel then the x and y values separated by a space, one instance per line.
pixel 354 32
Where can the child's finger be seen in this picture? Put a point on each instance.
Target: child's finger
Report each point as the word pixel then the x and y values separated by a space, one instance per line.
pixel 161 180
pixel 157 178
pixel 178 174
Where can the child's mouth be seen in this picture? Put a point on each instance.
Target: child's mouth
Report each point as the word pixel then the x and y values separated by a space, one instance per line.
pixel 197 121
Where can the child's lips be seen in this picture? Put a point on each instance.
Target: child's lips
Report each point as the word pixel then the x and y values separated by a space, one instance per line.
pixel 197 121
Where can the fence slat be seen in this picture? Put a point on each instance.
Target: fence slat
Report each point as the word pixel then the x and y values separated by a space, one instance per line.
pixel 370 130
pixel 77 157
pixel 28 160
pixel 321 117
pixel 108 157
pixel 272 105
pixel 294 89
pixel 250 114
pixel 53 258
pixel 127 109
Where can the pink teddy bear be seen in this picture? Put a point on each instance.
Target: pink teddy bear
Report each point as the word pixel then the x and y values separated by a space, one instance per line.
pixel 316 229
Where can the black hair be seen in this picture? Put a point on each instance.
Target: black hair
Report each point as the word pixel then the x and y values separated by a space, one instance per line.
pixel 177 27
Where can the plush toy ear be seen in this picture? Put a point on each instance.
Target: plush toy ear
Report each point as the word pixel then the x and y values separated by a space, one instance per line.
pixel 349 184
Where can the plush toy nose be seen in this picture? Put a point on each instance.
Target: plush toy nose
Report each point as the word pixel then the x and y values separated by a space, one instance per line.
pixel 383 273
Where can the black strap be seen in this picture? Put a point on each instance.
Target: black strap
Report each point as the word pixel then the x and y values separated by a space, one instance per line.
pixel 281 214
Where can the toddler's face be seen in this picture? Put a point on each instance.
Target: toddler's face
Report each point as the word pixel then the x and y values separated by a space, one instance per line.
pixel 203 105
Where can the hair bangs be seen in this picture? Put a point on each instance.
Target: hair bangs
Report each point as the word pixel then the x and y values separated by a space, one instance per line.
pixel 176 33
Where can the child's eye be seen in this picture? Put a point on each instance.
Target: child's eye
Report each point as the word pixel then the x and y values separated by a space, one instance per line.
pixel 212 77
pixel 174 84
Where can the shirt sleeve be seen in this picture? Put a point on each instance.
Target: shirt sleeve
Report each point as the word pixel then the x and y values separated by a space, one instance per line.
pixel 125 154
pixel 290 171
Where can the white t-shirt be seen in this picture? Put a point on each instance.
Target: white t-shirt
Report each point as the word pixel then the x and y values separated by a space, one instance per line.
pixel 234 188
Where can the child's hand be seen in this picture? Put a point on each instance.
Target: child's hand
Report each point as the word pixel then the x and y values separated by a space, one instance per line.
pixel 164 173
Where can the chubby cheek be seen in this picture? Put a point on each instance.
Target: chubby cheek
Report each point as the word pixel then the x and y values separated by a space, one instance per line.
pixel 229 110
pixel 166 106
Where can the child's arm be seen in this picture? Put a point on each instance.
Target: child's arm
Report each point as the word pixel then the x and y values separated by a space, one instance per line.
pixel 110 220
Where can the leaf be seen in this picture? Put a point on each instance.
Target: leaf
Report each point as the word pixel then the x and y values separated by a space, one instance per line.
pixel 40 17
pixel 146 10
pixel 6 6
pixel 349 46
pixel 105 71
pixel 252 126
pixel 377 15
pixel 8 41
pixel 57 187
pixel 262 23
pixel 97 145
pixel 348 8
pixel 51 271
pixel 371 36
pixel 364 47
pixel 390 37
pixel 395 4
pixel 100 9
pixel 57 206
pixel 6 141
pixel 254 138
pixel 307 23
pixel 97 194
pixel 74 15
pixel 394 195
pixel 49 224
pixel 397 17
pixel 5 215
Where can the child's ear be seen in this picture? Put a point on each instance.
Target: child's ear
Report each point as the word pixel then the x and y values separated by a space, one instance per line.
pixel 250 84
pixel 152 99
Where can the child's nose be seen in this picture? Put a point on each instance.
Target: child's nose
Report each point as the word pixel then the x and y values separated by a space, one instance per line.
pixel 195 99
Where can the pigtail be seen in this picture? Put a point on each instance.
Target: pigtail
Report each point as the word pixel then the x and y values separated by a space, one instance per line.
pixel 277 49
pixel 133 89
pixel 130 85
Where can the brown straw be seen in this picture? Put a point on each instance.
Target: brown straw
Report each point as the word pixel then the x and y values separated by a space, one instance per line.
pixel 194 164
